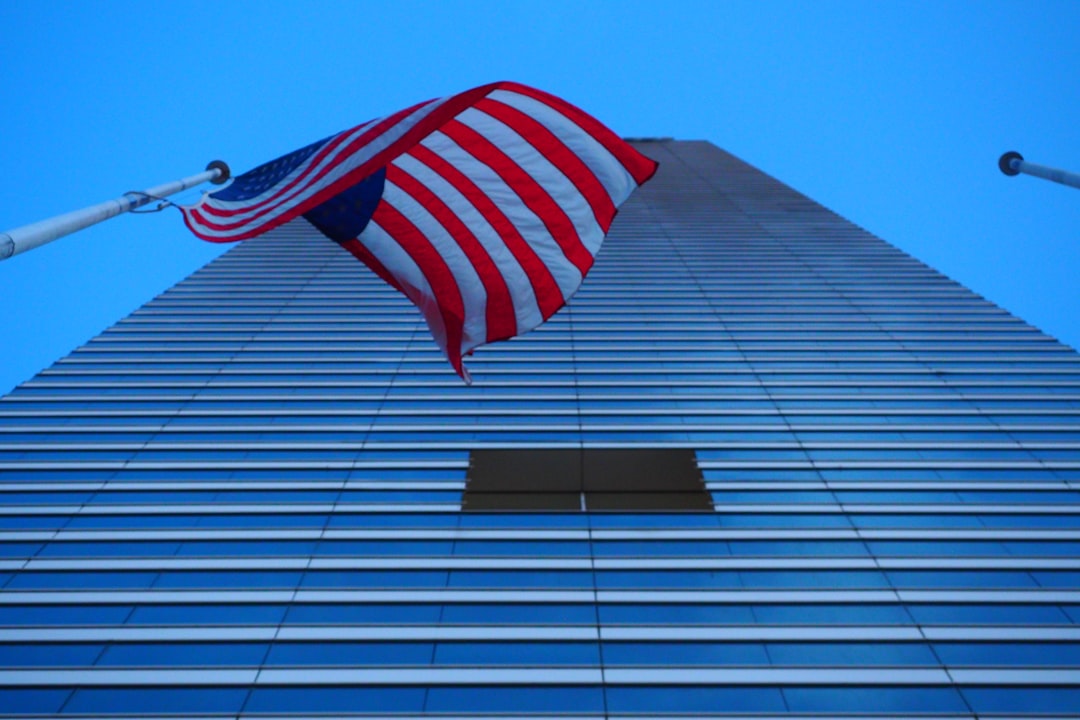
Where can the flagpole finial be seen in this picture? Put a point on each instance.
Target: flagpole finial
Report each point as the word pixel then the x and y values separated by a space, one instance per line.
pixel 224 173
pixel 1013 163
pixel 1005 163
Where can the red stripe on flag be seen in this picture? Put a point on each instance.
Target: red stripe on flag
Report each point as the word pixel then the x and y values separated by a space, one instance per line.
pixel 562 157
pixel 532 194
pixel 639 166
pixel 548 296
pixel 435 270
pixel 499 313
pixel 194 219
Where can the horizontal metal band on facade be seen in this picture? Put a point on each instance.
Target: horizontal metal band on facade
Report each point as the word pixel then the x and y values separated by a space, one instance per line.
pixel 596 716
pixel 465 446
pixel 598 304
pixel 839 633
pixel 426 361
pixel 270 330
pixel 291 355
pixel 221 485
pixel 554 393
pixel 738 329
pixel 543 633
pixel 779 321
pixel 840 677
pixel 901 388
pixel 983 355
pixel 530 597
pixel 243 465
pixel 303 563
pixel 105 430
pixel 358 326
pixel 455 562
pixel 805 534
pixel 672 300
pixel 959 507
pixel 292 534
pixel 619 309
pixel 643 361
pixel 179 507
pixel 961 485
pixel 466 437
pixel 895 291
pixel 721 282
pixel 360 368
pixel 429 370
pixel 597 300
pixel 308 677
pixel 346 348
pixel 234 485
pixel 229 508
pixel 799 384
pixel 305 633
pixel 981 413
pixel 470 443
pixel 285 446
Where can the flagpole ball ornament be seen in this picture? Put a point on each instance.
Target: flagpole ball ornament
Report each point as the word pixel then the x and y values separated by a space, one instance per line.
pixel 224 172
pixel 486 208
pixel 1005 162
pixel 1013 163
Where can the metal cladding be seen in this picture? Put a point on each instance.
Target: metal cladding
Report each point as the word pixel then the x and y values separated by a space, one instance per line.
pixel 245 499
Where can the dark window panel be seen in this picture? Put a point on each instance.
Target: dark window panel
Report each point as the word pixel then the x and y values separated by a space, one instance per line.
pixel 143 701
pixel 638 479
pixel 13 655
pixel 350 653
pixel 694 700
pixel 867 700
pixel 183 654
pixel 331 699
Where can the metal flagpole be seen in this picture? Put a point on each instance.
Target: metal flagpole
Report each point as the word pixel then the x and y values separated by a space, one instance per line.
pixel 1013 163
pixel 36 234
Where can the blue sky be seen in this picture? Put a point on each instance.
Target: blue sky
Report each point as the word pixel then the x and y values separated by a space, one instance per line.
pixel 893 114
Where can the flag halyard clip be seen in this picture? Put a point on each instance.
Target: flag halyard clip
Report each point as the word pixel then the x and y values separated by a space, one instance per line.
pixel 160 206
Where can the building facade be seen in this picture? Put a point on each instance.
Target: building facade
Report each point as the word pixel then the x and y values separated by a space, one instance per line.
pixel 249 497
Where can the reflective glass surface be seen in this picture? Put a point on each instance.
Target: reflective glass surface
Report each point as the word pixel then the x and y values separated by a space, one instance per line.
pixel 245 497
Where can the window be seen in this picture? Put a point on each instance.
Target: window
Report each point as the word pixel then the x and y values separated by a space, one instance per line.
pixel 143 701
pixel 570 479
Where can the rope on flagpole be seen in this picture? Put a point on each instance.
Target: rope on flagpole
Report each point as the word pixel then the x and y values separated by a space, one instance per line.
pixel 37 234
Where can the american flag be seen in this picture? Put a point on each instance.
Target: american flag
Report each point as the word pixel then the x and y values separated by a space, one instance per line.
pixel 486 208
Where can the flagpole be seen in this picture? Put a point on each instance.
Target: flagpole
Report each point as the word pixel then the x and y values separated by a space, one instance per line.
pixel 36 234
pixel 1013 163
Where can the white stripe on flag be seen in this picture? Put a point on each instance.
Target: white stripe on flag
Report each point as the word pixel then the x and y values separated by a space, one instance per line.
pixel 526 310
pixel 607 168
pixel 528 224
pixel 550 178
pixel 469 284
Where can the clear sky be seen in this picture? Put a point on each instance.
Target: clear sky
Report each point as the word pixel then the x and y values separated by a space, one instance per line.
pixel 893 114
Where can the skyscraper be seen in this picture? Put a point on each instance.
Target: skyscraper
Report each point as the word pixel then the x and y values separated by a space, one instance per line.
pixel 264 492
